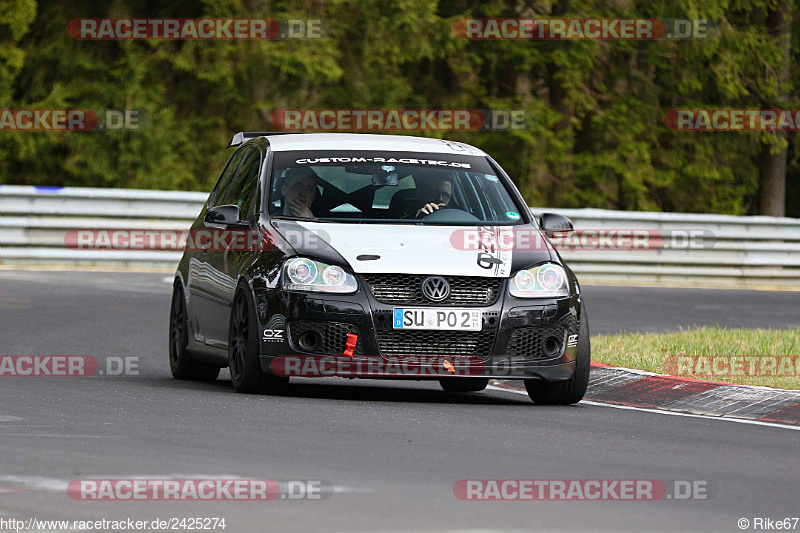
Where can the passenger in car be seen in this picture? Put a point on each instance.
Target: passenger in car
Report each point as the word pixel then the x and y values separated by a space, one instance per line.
pixel 299 191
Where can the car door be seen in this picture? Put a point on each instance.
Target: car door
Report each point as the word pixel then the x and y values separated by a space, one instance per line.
pixel 201 278
pixel 225 262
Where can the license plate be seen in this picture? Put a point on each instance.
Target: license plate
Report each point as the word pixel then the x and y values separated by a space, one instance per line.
pixel 433 318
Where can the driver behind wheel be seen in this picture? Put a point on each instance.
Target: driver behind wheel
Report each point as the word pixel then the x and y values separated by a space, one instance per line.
pixel 434 193
pixel 431 194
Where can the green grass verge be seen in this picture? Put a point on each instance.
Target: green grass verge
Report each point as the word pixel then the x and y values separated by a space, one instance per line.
pixel 766 357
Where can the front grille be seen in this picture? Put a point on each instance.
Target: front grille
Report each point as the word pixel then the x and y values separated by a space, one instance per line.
pixel 398 342
pixel 407 289
pixel 332 336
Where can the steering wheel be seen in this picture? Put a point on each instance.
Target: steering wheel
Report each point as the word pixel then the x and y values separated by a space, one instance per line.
pixel 450 214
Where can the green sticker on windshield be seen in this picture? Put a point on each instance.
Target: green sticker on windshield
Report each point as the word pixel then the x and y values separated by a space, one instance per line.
pixel 513 215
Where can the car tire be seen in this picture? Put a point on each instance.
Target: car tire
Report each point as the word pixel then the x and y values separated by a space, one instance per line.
pixel 181 363
pixel 243 348
pixel 573 389
pixel 463 384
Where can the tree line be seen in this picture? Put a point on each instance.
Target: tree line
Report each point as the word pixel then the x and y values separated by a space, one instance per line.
pixel 596 134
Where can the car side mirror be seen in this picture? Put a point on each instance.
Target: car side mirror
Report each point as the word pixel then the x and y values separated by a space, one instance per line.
pixel 554 224
pixel 223 217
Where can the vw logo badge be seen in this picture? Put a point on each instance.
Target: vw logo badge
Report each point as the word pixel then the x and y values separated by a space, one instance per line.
pixel 435 288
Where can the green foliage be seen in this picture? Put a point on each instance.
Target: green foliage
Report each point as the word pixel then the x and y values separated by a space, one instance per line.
pixel 15 19
pixel 660 352
pixel 596 135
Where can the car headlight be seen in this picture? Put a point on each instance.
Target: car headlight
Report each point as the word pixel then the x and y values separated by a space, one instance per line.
pixel 301 274
pixel 543 281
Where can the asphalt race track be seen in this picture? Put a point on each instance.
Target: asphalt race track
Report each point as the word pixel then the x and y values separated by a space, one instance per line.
pixel 392 450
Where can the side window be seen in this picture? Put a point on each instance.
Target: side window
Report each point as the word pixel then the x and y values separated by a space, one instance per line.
pixel 243 190
pixel 220 192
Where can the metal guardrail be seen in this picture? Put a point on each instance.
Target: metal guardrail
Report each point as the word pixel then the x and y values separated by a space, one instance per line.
pixel 737 251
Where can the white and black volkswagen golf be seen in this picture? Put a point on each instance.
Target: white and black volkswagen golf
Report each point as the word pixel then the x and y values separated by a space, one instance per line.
pixel 376 256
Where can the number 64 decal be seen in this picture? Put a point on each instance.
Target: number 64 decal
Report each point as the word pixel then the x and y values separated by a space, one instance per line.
pixel 488 261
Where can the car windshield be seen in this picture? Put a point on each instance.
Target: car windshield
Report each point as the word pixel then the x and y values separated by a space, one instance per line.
pixel 380 187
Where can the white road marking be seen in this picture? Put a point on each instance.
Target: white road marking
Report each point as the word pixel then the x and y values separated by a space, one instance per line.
pixel 37 482
pixel 688 380
pixel 661 412
pixel 340 489
pixel 60 485
pixel 61 435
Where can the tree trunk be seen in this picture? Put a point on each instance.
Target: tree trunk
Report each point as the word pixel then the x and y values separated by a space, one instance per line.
pixel 557 97
pixel 772 166
pixel 772 181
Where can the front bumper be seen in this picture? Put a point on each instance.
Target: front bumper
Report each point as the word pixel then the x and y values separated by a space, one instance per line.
pixel 509 345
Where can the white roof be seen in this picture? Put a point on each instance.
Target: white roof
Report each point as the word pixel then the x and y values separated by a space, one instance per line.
pixel 365 141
